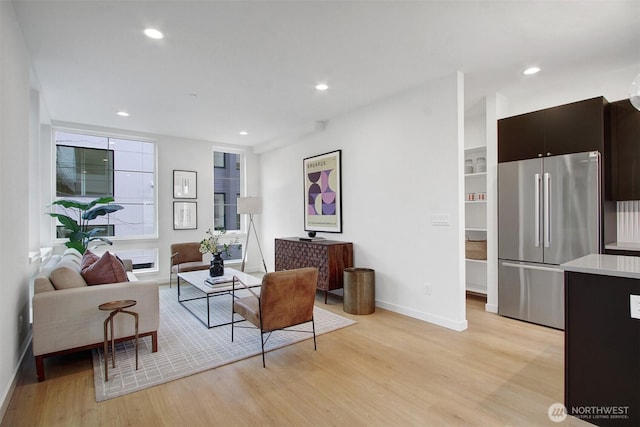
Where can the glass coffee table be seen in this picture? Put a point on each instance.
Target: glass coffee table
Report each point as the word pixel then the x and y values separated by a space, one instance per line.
pixel 208 287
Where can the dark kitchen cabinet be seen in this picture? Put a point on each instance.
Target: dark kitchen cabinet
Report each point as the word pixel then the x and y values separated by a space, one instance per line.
pixel 521 137
pixel 602 349
pixel 625 148
pixel 569 128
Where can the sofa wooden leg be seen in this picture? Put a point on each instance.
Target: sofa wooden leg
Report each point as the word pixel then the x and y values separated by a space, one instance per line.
pixel 154 341
pixel 40 368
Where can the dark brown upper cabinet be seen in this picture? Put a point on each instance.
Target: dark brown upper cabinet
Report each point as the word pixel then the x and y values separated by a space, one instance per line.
pixel 569 128
pixel 625 150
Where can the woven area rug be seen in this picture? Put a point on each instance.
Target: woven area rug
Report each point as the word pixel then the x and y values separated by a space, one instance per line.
pixel 186 346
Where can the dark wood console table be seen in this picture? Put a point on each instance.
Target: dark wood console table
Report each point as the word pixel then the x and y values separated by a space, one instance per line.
pixel 330 257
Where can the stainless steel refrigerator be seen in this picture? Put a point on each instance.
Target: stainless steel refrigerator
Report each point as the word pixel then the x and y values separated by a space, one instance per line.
pixel 548 214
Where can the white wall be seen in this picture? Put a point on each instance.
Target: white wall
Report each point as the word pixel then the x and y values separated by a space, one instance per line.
pixel 402 163
pixel 14 200
pixel 174 153
pixel 613 84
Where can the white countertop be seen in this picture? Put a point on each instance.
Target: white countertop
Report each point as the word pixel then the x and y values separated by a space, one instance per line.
pixel 624 246
pixel 607 265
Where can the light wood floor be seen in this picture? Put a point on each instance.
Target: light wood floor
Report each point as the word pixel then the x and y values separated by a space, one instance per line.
pixel 386 370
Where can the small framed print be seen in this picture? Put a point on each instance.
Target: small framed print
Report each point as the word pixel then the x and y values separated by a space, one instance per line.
pixel 185 215
pixel 185 184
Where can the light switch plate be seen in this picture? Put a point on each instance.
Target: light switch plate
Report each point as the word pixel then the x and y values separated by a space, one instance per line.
pixel 634 302
pixel 440 219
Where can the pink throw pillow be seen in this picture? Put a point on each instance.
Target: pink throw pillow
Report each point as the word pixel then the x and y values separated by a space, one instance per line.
pixel 107 269
pixel 87 259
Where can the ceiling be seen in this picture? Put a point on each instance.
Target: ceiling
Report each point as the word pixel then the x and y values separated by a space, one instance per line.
pixel 227 66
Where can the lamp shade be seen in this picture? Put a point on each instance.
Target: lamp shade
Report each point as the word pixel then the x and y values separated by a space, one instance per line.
pixel 249 205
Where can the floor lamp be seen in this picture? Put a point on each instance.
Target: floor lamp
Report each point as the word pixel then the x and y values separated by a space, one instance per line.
pixel 251 206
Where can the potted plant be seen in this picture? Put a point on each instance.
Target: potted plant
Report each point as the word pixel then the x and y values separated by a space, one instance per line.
pixel 210 245
pixel 79 233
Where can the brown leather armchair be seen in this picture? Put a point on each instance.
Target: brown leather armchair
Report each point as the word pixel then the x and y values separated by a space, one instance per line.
pixel 186 257
pixel 286 299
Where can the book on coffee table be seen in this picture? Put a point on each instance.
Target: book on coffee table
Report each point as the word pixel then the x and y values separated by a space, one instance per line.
pixel 212 281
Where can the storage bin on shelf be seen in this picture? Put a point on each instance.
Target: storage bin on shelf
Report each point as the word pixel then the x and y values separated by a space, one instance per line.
pixel 475 249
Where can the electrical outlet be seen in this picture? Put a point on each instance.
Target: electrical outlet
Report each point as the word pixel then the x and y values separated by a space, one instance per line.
pixel 427 288
pixel 634 303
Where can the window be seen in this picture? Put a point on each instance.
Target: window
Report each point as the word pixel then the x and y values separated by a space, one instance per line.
pixel 85 172
pixel 219 222
pixel 226 184
pixel 91 166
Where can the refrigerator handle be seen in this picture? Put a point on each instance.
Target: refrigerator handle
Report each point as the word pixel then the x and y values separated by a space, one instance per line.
pixel 532 267
pixel 547 210
pixel 537 210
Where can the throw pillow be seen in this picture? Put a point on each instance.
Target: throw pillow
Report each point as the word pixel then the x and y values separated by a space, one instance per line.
pixel 88 258
pixel 105 270
pixel 65 277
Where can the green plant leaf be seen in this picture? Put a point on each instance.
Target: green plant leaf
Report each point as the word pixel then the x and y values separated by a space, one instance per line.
pixel 103 239
pixel 92 232
pixel 100 201
pixel 77 236
pixel 68 222
pixel 68 203
pixel 76 245
pixel 100 211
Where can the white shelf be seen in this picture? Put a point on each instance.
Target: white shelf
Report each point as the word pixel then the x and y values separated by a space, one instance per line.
pixel 478 149
pixel 469 175
pixel 476 221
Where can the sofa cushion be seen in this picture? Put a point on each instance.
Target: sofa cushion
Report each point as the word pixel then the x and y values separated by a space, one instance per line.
pixel 66 277
pixel 72 252
pixel 107 269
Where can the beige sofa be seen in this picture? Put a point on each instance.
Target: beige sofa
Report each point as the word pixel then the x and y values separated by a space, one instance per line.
pixel 66 317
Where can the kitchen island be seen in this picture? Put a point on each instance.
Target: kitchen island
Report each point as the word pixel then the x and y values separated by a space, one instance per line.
pixel 602 340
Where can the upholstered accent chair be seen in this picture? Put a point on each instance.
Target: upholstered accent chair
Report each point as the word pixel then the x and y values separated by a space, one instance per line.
pixel 186 257
pixel 286 299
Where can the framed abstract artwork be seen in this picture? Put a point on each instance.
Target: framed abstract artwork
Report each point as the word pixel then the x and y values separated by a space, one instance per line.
pixel 185 215
pixel 185 184
pixel 323 192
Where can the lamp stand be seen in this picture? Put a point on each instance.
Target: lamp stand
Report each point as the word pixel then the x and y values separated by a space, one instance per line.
pixel 246 245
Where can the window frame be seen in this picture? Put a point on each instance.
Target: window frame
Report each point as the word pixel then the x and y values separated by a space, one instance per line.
pixel 233 237
pixel 112 135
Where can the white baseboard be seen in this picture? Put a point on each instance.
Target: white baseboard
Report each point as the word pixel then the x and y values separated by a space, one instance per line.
pixel 491 308
pixel 8 394
pixel 431 318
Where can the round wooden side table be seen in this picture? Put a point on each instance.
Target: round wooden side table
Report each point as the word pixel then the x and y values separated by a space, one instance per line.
pixel 116 307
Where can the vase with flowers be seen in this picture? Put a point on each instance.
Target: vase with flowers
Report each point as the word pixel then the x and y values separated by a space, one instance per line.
pixel 210 245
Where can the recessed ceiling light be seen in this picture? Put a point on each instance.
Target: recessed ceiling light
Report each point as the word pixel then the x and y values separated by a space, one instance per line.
pixel 152 33
pixel 322 86
pixel 122 114
pixel 244 133
pixel 531 70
